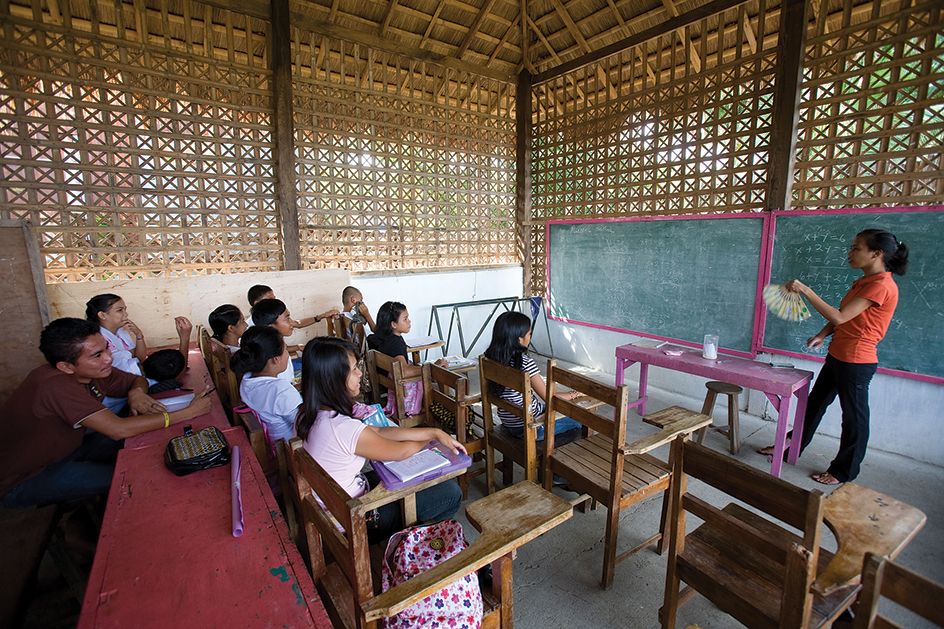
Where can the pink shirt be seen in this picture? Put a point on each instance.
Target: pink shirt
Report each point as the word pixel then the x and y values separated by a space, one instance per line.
pixel 331 442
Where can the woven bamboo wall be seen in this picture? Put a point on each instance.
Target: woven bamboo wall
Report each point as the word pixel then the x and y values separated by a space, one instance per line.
pixel 681 124
pixel 400 164
pixel 677 125
pixel 135 153
pixel 872 109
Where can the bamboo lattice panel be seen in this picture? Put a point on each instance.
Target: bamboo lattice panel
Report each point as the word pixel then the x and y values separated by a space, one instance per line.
pixel 400 164
pixel 137 142
pixel 872 110
pixel 677 125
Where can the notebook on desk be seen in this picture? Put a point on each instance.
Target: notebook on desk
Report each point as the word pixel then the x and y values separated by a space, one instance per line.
pixel 431 462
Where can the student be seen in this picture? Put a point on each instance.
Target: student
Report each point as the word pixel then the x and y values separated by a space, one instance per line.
pixel 59 442
pixel 260 292
pixel 162 369
pixel 857 326
pixel 228 325
pixel 510 339
pixel 263 356
pixel 342 444
pixel 393 321
pixel 354 308
pixel 124 338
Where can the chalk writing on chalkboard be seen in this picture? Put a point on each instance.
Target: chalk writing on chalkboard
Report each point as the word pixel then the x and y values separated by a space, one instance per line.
pixel 813 248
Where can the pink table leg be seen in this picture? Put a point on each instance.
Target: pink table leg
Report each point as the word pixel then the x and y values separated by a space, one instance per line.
pixel 621 366
pixel 783 418
pixel 802 395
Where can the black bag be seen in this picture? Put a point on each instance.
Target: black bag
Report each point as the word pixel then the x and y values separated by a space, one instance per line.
pixel 193 452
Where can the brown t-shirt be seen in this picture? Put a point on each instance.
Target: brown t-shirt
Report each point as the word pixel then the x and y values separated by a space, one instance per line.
pixel 40 422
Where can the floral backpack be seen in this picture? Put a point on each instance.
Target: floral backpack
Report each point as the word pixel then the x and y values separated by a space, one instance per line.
pixel 412 399
pixel 416 549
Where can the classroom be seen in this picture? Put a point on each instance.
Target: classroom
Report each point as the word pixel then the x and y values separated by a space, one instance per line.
pixel 628 174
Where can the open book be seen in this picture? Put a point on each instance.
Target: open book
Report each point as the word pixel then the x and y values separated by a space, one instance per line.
pixel 431 462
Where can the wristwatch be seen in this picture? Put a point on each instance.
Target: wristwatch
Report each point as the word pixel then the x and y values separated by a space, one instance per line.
pixel 317 319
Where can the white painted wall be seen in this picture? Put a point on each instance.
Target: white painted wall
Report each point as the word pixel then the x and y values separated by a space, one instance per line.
pixel 420 291
pixel 907 415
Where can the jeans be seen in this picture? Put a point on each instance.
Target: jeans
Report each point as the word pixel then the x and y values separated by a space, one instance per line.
pixel 433 504
pixel 850 381
pixel 561 425
pixel 83 474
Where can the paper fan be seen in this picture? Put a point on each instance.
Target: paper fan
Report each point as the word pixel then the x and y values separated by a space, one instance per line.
pixel 785 304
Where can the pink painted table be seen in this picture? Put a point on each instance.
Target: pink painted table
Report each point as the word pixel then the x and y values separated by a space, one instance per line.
pixel 167 557
pixel 196 379
pixel 779 385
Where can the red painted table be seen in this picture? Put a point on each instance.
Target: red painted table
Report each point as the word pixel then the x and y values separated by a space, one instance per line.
pixel 196 379
pixel 167 556
pixel 779 385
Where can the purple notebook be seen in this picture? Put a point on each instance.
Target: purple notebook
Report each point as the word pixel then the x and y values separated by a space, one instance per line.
pixel 453 462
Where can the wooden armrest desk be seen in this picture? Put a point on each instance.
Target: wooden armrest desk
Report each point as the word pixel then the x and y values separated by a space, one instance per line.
pixel 416 349
pixel 167 557
pixel 380 495
pixel 864 521
pixel 779 385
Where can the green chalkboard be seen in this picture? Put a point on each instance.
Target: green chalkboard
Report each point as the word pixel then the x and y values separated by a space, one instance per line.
pixel 678 279
pixel 813 247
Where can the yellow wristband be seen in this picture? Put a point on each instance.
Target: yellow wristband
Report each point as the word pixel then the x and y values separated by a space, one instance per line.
pixel 166 420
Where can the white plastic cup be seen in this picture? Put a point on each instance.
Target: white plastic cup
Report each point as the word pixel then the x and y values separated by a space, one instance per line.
pixel 710 350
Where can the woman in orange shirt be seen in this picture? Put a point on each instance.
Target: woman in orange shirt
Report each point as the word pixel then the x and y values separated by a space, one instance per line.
pixel 857 326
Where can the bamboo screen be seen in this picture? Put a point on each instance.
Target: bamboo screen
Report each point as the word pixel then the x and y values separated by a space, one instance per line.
pixel 872 109
pixel 677 125
pixel 400 164
pixel 135 153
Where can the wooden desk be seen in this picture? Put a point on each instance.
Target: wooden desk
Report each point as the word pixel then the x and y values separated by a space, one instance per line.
pixel 167 556
pixel 380 495
pixel 197 378
pixel 416 349
pixel 779 385
pixel 864 521
pixel 507 519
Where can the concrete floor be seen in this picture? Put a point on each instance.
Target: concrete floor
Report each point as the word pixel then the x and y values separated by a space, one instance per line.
pixel 557 577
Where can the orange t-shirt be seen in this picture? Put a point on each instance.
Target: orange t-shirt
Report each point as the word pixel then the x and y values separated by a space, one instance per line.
pixel 854 341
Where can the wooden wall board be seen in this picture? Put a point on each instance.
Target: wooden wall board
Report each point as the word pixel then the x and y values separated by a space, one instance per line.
pixel 153 303
pixel 25 306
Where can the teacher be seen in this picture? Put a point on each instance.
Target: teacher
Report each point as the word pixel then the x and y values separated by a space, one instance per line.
pixel 857 326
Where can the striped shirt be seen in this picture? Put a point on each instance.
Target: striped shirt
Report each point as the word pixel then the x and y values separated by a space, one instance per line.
pixel 537 406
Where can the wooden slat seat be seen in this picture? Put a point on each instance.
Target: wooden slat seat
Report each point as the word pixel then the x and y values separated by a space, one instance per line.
pixel 750 563
pixel 602 465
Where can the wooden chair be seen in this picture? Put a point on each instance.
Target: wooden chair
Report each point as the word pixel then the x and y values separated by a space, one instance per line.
pixel 289 481
pixel 522 451
pixel 602 465
pixel 347 586
pixel 459 402
pixel 388 372
pixel 749 566
pixel 217 356
pixel 335 325
pixel 257 440
pixel 882 577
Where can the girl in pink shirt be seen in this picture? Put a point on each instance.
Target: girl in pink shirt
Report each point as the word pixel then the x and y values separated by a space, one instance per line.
pixel 342 444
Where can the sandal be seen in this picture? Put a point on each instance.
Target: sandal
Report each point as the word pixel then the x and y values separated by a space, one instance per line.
pixel 826 479
pixel 769 450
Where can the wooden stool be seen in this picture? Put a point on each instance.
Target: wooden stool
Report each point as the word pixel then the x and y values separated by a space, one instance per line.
pixel 731 430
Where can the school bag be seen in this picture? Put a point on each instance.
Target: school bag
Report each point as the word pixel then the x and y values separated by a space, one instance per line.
pixel 414 550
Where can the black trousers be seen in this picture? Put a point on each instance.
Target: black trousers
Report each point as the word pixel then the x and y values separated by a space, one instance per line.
pixel 850 381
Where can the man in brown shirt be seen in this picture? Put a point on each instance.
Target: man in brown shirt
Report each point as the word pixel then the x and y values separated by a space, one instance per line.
pixel 57 441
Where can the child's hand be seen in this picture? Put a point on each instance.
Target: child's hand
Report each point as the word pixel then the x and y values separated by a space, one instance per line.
pixel 329 313
pixel 442 362
pixel 183 326
pixel 202 404
pixel 362 308
pixel 450 442
pixel 134 330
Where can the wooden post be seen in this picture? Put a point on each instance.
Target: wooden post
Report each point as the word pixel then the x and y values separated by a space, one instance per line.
pixel 791 47
pixel 523 176
pixel 285 134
